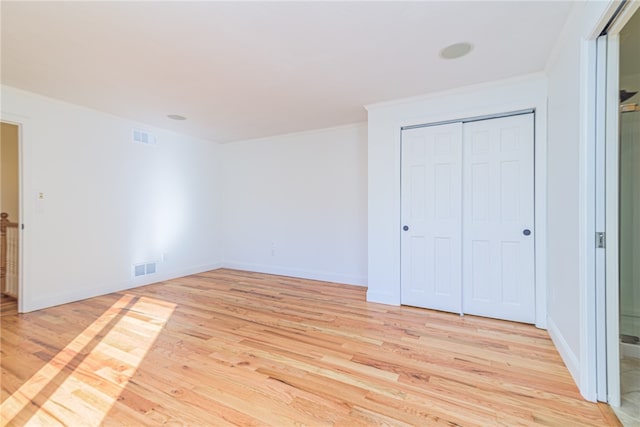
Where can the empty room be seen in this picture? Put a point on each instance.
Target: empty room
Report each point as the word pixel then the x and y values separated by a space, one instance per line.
pixel 320 213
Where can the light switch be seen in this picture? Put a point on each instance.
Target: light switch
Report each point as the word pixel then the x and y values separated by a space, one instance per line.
pixel 40 202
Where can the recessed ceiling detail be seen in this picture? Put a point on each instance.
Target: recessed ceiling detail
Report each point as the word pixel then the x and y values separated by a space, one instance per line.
pixel 456 50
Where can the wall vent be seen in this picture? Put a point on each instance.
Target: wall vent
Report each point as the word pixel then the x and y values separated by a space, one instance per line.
pixel 139 270
pixel 143 137
pixel 144 269
pixel 150 268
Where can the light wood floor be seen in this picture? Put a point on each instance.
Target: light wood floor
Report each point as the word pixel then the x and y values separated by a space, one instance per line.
pixel 235 348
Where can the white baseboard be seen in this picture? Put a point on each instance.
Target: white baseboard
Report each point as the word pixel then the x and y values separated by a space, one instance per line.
pixel 382 298
pixel 33 304
pixel 107 288
pixel 293 272
pixel 186 272
pixel 570 359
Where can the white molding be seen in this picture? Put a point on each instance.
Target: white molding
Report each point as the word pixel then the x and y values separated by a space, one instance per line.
pixel 458 91
pixel 134 123
pixel 596 16
pixel 629 10
pixel 354 125
pixel 540 212
pixel 612 226
pixel 108 288
pixel 298 273
pixel 569 358
pixel 587 220
pixel 382 298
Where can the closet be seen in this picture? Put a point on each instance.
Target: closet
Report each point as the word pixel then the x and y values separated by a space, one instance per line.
pixel 467 210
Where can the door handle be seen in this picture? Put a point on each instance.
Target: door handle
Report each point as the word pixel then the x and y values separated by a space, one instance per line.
pixel 405 228
pixel 526 232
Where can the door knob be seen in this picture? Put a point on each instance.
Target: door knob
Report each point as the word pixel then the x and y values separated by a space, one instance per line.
pixel 405 228
pixel 526 232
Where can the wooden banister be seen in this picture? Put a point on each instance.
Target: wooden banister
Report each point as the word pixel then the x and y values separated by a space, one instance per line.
pixel 4 224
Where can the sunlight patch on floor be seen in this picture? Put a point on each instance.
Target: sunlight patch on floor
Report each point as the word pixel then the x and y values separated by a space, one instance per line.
pixel 85 395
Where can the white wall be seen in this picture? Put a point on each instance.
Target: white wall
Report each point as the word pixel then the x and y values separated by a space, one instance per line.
pixel 296 204
pixel 571 301
pixel 385 121
pixel 293 204
pixel 563 203
pixel 109 203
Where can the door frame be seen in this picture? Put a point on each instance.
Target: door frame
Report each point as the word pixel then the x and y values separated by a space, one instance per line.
pixel 600 379
pixel 22 124
pixel 612 226
pixel 539 179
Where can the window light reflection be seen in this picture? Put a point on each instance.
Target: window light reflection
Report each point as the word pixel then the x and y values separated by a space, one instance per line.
pixel 86 395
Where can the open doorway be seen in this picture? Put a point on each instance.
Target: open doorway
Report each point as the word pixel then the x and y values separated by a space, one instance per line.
pixel 629 221
pixel 617 203
pixel 9 215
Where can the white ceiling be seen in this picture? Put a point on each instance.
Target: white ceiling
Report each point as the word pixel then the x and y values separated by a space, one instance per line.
pixel 241 70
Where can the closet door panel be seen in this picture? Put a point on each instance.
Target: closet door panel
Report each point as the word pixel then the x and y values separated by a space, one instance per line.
pixel 431 195
pixel 498 218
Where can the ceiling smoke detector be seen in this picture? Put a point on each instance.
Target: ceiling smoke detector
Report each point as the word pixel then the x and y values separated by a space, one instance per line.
pixel 456 50
pixel 176 117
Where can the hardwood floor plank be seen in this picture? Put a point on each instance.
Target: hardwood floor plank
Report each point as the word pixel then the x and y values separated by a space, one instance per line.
pixel 228 347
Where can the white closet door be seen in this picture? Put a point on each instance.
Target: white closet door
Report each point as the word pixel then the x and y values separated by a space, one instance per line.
pixel 431 217
pixel 498 219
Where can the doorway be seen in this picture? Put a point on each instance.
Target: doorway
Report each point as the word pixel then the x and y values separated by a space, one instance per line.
pixel 617 208
pixel 9 213
pixel 467 243
pixel 629 220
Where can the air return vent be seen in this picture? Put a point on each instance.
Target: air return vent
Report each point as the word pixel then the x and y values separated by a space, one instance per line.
pixel 138 270
pixel 144 269
pixel 143 137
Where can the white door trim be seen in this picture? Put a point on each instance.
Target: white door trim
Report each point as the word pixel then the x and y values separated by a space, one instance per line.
pixel 591 373
pixel 599 253
pixel 540 214
pixel 612 185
